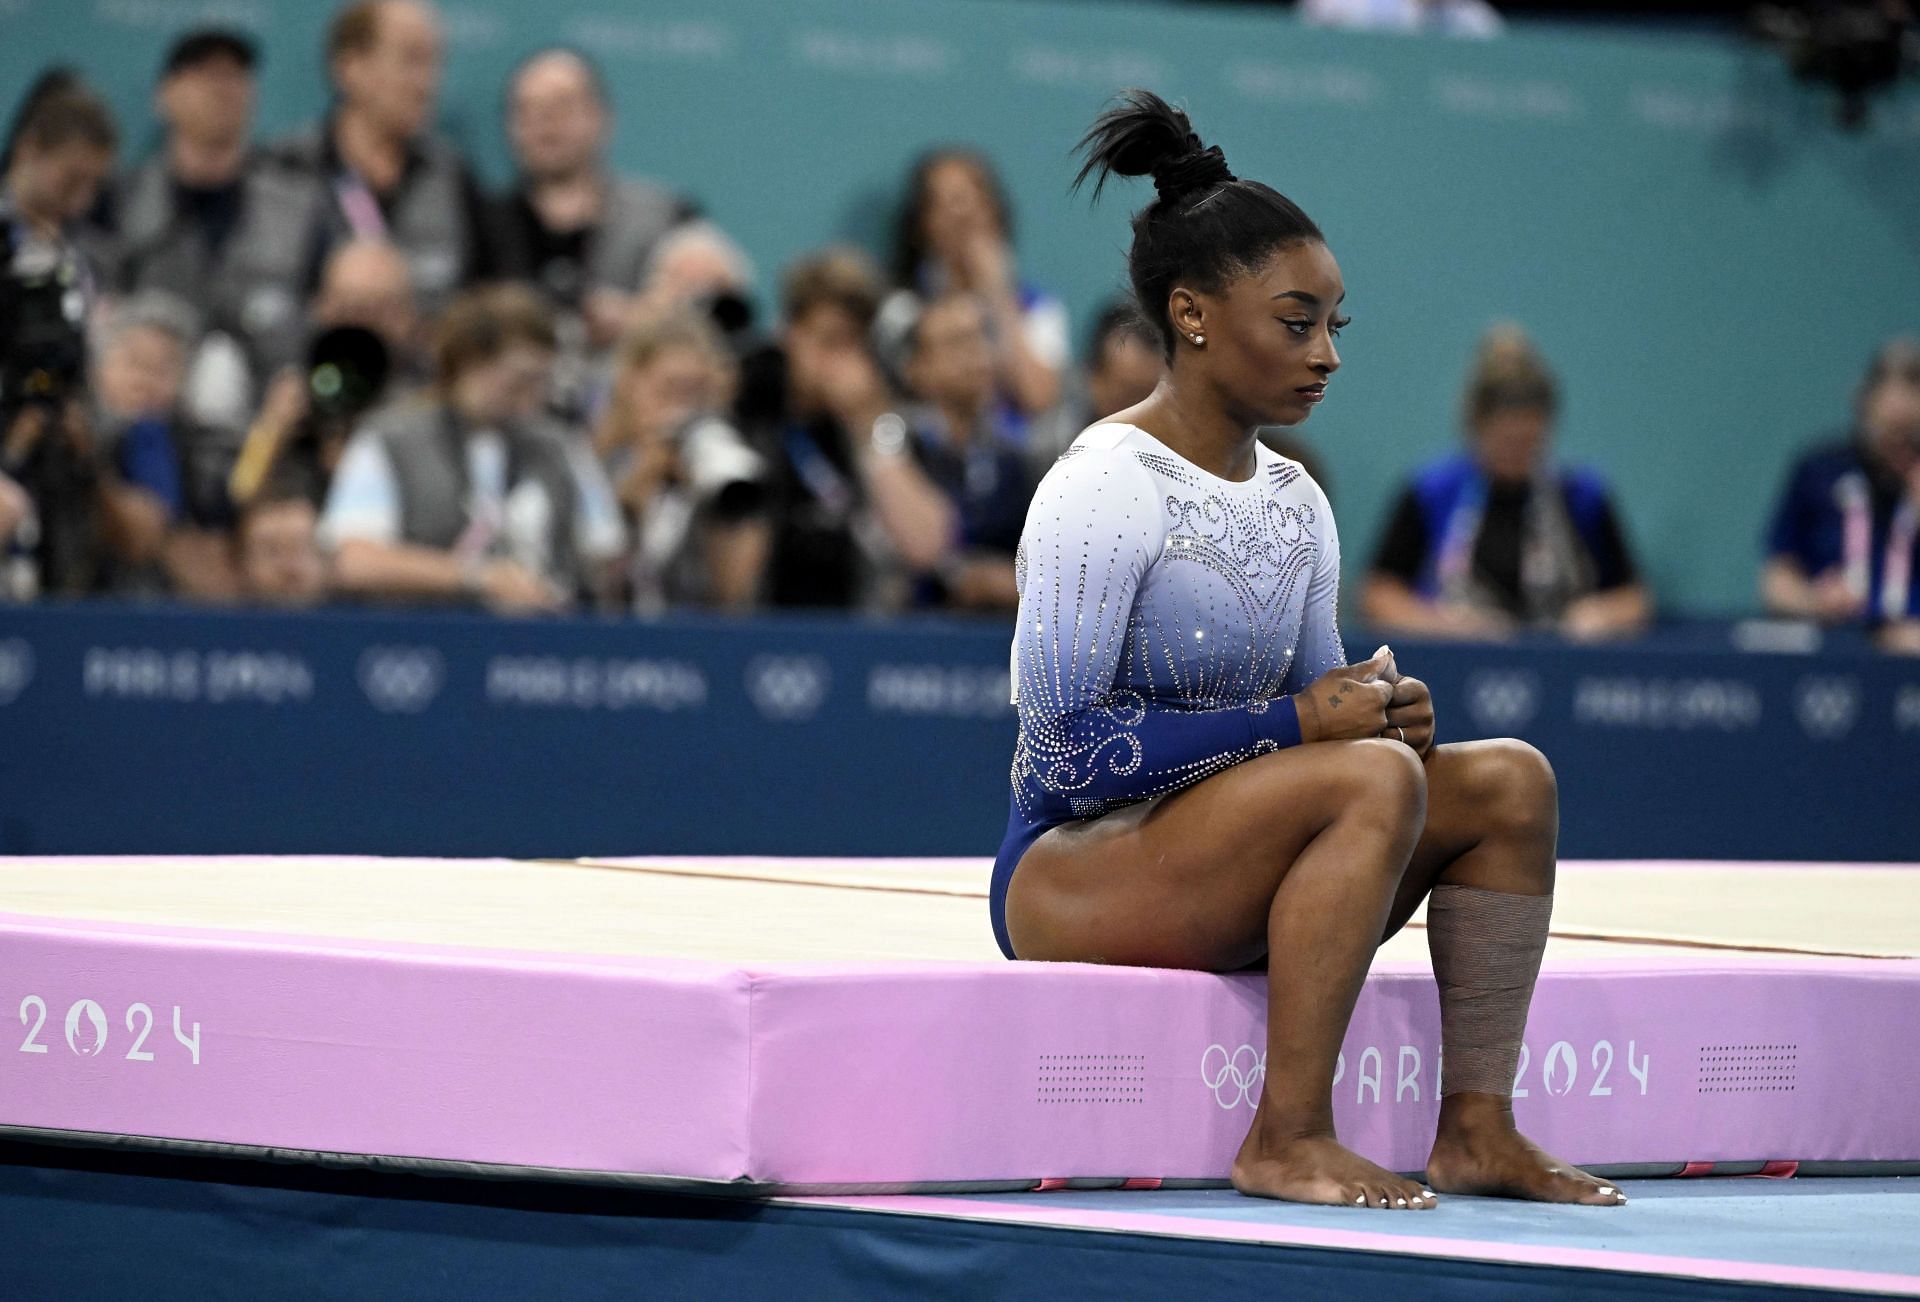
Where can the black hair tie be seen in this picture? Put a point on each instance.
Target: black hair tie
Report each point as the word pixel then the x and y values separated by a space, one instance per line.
pixel 1202 169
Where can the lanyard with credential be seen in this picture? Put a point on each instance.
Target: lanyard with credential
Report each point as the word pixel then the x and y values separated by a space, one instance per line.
pixel 360 206
pixel 1896 580
pixel 1856 531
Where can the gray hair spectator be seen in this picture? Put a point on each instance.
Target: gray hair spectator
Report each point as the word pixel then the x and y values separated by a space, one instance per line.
pixel 472 493
pixel 693 491
pixel 166 473
pixel 569 225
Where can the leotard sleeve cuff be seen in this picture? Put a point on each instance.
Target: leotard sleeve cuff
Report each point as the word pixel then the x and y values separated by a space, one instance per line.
pixel 1279 724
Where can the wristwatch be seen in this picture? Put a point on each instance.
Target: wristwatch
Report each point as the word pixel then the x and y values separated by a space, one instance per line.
pixel 888 437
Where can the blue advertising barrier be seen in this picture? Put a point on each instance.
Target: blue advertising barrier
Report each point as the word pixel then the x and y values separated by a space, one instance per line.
pixel 156 731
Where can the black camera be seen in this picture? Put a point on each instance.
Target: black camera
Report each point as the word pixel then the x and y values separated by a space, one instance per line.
pixel 1859 48
pixel 346 373
pixel 43 339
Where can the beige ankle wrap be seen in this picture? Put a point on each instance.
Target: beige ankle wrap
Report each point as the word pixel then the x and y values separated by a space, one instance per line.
pixel 1486 948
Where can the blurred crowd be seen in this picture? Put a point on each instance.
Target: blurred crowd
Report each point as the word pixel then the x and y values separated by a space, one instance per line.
pixel 334 367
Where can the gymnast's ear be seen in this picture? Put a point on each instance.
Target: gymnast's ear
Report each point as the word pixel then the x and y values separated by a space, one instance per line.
pixel 1188 316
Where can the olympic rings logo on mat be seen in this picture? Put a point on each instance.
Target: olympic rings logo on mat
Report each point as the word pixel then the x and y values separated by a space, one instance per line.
pixel 1233 1075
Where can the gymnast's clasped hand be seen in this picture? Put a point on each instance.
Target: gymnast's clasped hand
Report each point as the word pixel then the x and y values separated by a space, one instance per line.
pixel 1369 699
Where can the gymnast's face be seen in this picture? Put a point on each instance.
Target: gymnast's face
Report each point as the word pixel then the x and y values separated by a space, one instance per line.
pixel 1269 335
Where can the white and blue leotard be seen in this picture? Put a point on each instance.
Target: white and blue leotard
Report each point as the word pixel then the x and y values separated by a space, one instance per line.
pixel 1166 615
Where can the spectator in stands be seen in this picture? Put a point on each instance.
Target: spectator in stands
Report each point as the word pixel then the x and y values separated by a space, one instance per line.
pixel 973 480
pixel 570 225
pixel 845 502
pixel 174 222
pixel 697 265
pixel 955 234
pixel 471 493
pixel 1845 540
pixel 1123 364
pixel 1447 17
pixel 166 473
pixel 373 169
pixel 58 152
pixel 365 285
pixel 277 545
pixel 693 491
pixel 1498 538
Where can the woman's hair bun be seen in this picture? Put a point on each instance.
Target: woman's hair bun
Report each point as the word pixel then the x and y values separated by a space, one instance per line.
pixel 1143 135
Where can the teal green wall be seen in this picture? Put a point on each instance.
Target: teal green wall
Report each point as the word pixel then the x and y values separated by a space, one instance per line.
pixel 1705 259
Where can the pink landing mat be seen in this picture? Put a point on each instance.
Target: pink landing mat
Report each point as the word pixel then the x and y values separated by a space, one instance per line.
pixel 897 1077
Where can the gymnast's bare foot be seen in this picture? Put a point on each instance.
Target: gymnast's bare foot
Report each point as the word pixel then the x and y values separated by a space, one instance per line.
pixel 1313 1167
pixel 1479 1151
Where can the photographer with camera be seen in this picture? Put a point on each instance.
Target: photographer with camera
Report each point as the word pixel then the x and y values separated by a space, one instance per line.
pixel 362 349
pixel 470 493
pixel 693 491
pixel 58 152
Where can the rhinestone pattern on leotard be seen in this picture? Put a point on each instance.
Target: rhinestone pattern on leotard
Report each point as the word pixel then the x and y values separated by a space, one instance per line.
pixel 1147 582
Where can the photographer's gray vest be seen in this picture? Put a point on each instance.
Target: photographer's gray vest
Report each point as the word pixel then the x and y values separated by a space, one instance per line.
pixel 427 450
pixel 294 220
pixel 637 215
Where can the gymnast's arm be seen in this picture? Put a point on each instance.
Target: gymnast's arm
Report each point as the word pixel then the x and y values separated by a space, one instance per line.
pixel 1093 530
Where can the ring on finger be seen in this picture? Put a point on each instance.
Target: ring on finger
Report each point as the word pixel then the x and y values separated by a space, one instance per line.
pixel 1403 733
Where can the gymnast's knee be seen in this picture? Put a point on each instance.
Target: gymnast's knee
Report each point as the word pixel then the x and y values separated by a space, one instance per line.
pixel 1385 779
pixel 1519 792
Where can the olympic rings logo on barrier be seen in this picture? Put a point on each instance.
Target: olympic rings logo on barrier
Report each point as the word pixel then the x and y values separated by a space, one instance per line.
pixel 16 668
pixel 1234 1076
pixel 401 679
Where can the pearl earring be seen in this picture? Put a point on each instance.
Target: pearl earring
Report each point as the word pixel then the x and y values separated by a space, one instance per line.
pixel 1199 341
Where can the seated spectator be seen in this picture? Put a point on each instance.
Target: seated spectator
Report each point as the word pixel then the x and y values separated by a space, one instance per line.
pixel 374 169
pixel 693 491
pixel 277 543
pixel 844 502
pixel 1845 540
pixel 1498 538
pixel 978 478
pixel 165 474
pixel 365 285
pixel 1123 367
pixel 697 265
pixel 572 227
pixel 955 235
pixel 1446 17
pixel 470 493
pixel 178 221
pixel 58 151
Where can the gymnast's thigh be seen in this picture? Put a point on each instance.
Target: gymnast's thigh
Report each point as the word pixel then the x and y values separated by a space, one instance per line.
pixel 1185 879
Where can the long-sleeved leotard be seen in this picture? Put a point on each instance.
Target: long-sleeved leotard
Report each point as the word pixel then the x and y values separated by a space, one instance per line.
pixel 1166 615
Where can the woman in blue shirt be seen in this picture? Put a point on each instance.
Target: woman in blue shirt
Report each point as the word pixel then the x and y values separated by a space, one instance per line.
pixel 1199 780
pixel 1845 538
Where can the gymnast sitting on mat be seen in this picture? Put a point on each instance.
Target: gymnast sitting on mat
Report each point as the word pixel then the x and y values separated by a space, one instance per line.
pixel 1200 782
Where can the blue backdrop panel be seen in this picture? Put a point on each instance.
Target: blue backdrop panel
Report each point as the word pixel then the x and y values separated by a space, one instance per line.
pixel 86 1225
pixel 149 731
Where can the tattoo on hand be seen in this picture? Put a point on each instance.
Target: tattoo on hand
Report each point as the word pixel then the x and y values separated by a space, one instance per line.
pixel 1334 701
